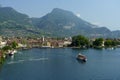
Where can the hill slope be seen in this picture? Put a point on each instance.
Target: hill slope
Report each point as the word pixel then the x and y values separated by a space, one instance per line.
pixel 64 23
pixel 13 23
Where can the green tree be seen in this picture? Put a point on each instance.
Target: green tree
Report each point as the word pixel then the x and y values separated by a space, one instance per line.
pixel 114 43
pixel 110 43
pixel 80 41
pixel 98 42
pixel 6 48
pixel 14 45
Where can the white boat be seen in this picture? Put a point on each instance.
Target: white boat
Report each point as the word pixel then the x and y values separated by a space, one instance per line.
pixel 81 57
pixel 12 52
pixel 46 46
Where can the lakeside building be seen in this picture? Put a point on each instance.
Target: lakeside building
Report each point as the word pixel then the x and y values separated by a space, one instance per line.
pixel 2 43
pixel 40 42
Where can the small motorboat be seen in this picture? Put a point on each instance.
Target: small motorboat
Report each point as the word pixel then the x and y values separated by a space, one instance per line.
pixel 81 57
pixel 12 52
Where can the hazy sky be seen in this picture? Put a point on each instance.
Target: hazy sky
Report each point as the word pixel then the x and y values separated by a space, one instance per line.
pixel 99 12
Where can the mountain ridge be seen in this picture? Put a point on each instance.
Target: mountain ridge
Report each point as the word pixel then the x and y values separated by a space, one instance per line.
pixel 57 23
pixel 68 22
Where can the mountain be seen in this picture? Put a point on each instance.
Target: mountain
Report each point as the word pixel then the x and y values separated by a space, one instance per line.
pixel 116 33
pixel 13 23
pixel 57 23
pixel 65 23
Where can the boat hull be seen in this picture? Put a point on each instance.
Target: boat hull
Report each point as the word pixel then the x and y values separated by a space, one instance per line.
pixel 81 58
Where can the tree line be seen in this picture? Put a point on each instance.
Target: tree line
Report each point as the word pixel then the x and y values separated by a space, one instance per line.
pixel 83 42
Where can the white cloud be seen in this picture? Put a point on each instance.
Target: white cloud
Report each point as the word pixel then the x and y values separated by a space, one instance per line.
pixel 97 24
pixel 78 15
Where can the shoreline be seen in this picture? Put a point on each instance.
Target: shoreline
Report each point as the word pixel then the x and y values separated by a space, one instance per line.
pixel 2 59
pixel 68 47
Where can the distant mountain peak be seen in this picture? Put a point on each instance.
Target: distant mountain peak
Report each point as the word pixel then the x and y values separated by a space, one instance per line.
pixel 61 22
pixel 56 9
pixel 61 11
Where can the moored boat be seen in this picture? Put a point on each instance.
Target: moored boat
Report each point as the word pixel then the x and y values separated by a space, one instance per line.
pixel 12 52
pixel 81 57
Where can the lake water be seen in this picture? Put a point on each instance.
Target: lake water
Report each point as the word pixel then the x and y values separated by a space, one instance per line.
pixel 61 64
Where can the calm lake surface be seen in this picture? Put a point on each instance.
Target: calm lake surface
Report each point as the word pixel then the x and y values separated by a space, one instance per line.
pixel 61 64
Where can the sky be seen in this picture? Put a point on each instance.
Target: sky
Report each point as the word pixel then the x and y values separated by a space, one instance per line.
pixel 99 12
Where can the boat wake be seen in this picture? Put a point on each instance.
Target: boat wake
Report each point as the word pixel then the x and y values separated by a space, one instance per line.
pixel 14 62
pixel 38 59
pixel 20 61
